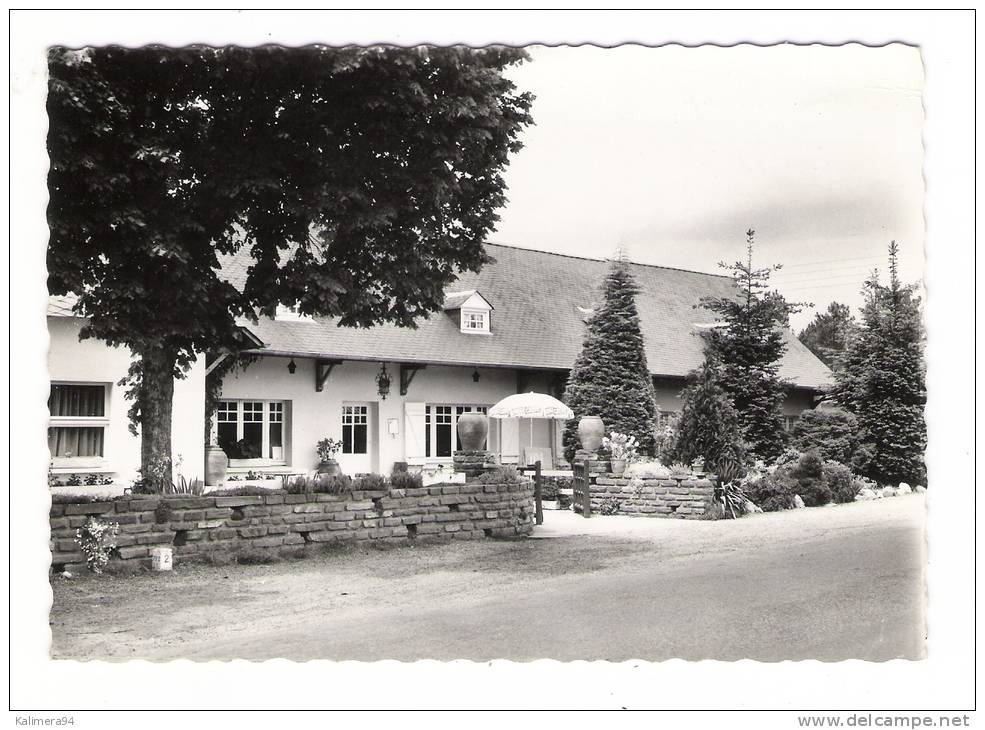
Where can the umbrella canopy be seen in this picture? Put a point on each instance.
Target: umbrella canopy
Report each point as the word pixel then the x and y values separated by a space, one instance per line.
pixel 531 405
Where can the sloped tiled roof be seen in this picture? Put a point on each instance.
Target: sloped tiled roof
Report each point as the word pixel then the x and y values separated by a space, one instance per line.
pixel 540 302
pixel 61 305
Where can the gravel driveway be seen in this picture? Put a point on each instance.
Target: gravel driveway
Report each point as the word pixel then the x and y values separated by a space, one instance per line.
pixel 829 583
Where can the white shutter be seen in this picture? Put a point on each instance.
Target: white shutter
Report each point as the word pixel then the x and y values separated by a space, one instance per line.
pixel 414 443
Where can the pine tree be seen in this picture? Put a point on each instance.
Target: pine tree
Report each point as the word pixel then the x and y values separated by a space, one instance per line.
pixel 610 377
pixel 881 379
pixel 748 344
pixel 708 427
pixel 828 334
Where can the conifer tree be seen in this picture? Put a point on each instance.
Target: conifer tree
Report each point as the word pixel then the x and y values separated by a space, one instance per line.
pixel 748 343
pixel 881 379
pixel 828 334
pixel 709 425
pixel 610 378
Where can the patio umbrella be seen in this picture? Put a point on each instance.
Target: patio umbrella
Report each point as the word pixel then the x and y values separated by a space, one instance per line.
pixel 531 405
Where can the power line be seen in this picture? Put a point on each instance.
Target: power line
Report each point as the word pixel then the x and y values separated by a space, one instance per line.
pixel 833 261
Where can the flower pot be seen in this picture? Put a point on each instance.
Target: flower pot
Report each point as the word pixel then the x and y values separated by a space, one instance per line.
pixel 472 429
pixel 618 466
pixel 216 464
pixel 590 432
pixel 330 467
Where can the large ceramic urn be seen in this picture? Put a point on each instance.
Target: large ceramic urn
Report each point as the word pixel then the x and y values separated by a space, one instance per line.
pixel 590 432
pixel 472 429
pixel 216 463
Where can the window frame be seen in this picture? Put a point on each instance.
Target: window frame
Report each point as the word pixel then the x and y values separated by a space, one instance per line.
pixel 78 463
pixel 265 422
pixel 431 427
pixel 355 411
pixel 483 318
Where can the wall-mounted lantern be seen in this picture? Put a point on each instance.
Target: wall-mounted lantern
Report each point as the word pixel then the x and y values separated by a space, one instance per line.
pixel 475 376
pixel 291 367
pixel 383 382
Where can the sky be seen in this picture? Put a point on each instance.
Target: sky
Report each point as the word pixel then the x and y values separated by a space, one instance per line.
pixel 673 153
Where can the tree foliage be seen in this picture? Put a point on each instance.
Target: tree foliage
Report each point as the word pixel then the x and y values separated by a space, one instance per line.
pixel 882 379
pixel 828 333
pixel 359 179
pixel 610 377
pixel 832 433
pixel 748 343
pixel 708 427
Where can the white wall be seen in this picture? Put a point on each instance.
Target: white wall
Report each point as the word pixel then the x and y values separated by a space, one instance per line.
pixel 314 415
pixel 92 361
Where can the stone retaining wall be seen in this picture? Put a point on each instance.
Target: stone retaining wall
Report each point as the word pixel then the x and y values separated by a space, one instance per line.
pixel 283 523
pixel 678 496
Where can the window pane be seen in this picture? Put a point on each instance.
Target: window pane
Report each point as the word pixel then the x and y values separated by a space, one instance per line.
pixel 75 442
pixel 79 401
pixel 359 438
pixel 346 439
pixel 443 437
pixel 276 441
pixel 251 446
pixel 227 439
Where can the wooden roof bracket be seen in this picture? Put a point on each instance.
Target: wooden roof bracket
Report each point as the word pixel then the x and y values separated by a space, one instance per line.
pixel 407 373
pixel 323 368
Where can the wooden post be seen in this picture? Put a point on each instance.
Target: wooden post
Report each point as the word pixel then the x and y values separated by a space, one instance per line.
pixel 539 513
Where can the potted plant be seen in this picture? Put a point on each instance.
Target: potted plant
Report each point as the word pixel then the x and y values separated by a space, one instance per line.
pixel 622 449
pixel 327 449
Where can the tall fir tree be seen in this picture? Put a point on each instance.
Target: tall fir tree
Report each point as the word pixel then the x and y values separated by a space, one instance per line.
pixel 708 427
pixel 748 343
pixel 881 379
pixel 828 333
pixel 610 377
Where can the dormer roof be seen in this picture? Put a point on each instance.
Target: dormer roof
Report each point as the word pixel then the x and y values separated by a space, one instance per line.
pixel 468 299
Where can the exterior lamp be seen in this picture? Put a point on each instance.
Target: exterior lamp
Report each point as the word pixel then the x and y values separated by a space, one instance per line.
pixel 475 376
pixel 291 367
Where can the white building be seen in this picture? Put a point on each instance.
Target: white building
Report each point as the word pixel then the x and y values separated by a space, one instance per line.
pixel 516 326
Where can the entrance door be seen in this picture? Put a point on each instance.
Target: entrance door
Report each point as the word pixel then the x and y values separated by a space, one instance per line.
pixel 356 456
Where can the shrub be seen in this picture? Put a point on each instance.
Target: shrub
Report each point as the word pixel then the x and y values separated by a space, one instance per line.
pixel 647 470
pixel 729 494
pixel 370 483
pixel 609 506
pixel 770 493
pixel 844 487
pixel 194 487
pixel 715 511
pixel 247 490
pixel 709 426
pixel 319 484
pixel 506 474
pixel 96 541
pixel 666 437
pixel 406 480
pixel 832 433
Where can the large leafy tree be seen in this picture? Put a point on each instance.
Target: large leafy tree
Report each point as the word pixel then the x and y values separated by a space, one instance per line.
pixel 610 377
pixel 881 380
pixel 359 179
pixel 828 333
pixel 748 343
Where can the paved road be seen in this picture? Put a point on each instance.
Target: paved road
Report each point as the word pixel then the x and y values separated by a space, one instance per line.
pixel 830 584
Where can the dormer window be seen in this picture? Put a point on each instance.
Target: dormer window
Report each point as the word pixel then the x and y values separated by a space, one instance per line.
pixel 475 321
pixel 472 310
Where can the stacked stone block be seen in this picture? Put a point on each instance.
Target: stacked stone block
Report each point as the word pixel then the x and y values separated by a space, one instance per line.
pixel 283 523
pixel 471 463
pixel 686 497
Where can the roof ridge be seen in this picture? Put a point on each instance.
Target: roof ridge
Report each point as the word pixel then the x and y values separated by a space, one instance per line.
pixel 589 258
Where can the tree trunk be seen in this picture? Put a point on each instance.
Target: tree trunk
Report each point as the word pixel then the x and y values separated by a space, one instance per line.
pixel 156 396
